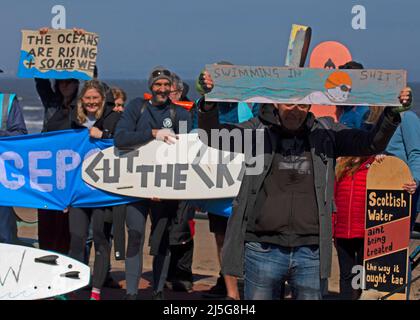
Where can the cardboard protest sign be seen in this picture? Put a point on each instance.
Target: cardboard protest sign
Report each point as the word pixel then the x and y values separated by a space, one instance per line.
pixel 300 38
pixel 387 231
pixel 305 86
pixel 187 169
pixel 59 54
pixel 328 55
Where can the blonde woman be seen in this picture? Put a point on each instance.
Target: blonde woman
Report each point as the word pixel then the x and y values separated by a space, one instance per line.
pixel 92 114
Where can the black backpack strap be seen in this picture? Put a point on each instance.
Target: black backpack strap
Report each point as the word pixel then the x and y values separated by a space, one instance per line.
pixel 142 109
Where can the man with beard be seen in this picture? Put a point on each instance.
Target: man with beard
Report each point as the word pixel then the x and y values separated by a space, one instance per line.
pixel 141 122
pixel 281 226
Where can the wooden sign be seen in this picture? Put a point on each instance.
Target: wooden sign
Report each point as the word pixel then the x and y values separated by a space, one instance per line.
pixel 59 54
pixel 305 86
pixel 300 38
pixel 185 170
pixel 387 234
pixel 328 55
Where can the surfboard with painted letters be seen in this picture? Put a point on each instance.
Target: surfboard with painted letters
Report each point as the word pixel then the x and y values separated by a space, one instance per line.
pixel 32 274
pixel 187 169
pixel 387 227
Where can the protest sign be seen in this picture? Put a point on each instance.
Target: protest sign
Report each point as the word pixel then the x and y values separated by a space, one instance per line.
pixel 305 86
pixel 58 54
pixel 387 231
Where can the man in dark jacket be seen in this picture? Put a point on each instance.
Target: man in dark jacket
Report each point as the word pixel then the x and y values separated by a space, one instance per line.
pixel 11 124
pixel 281 222
pixel 141 122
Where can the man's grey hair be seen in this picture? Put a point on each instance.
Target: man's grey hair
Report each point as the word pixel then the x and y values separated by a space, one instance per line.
pixel 176 80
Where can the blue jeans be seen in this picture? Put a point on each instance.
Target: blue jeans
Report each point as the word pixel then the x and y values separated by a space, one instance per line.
pixel 267 266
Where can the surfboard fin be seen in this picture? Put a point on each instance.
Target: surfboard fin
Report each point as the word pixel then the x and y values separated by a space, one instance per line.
pixel 52 259
pixel 71 275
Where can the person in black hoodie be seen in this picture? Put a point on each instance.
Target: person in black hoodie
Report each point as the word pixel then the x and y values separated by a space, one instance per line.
pixel 58 101
pixel 53 225
pixel 141 122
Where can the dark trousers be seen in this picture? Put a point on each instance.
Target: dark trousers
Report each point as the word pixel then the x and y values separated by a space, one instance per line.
pixel 53 231
pixel 350 253
pixel 180 267
pixel 80 219
pixel 8 227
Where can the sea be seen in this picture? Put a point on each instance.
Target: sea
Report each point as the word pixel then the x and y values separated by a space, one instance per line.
pixel 34 111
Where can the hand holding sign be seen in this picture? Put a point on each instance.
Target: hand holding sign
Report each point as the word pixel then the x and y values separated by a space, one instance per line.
pixel 44 31
pixel 95 133
pixel 165 135
pixel 410 187
pixel 406 98
pixel 204 83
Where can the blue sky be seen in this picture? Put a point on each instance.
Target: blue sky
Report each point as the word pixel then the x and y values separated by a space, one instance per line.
pixel 184 35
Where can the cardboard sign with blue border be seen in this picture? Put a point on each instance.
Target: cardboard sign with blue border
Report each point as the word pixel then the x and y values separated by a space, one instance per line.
pixel 58 54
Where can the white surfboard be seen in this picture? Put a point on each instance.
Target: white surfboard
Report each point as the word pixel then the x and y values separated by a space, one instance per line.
pixel 31 274
pixel 187 169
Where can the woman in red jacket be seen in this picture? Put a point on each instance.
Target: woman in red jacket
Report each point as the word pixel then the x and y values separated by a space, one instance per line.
pixel 349 218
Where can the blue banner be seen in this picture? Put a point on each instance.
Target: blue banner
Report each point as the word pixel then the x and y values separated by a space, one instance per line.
pixel 44 171
pixel 221 207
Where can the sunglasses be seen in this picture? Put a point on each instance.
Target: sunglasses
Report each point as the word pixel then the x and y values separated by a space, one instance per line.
pixel 345 88
pixel 119 104
pixel 158 73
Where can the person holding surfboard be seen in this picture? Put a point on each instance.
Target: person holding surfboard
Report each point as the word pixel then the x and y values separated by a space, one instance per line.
pixel 91 114
pixel 267 243
pixel 142 121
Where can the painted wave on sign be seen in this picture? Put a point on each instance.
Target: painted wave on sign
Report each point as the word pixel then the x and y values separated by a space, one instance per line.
pixel 238 94
pixel 25 72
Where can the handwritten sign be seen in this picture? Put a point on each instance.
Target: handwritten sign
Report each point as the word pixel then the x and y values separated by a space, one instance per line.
pixel 305 86
pixel 300 38
pixel 387 227
pixel 59 54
